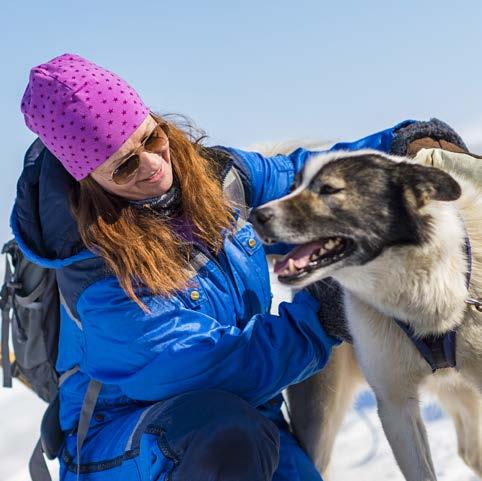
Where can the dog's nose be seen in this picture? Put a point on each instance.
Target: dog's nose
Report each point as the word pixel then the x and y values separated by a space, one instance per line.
pixel 263 215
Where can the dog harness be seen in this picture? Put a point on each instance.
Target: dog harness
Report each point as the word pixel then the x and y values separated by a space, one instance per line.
pixel 439 349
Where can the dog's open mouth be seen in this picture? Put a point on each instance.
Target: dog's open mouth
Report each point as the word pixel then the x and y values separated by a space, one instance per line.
pixel 307 257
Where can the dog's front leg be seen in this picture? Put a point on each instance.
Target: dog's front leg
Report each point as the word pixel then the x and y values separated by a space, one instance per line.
pixel 406 434
pixel 394 369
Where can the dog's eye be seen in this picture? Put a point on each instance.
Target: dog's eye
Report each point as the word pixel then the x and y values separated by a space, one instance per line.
pixel 326 189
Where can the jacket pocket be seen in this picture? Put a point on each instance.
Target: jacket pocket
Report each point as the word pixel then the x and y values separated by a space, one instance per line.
pixel 247 239
pixel 194 296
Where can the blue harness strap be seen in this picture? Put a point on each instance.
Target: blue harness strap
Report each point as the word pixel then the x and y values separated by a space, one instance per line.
pixel 438 349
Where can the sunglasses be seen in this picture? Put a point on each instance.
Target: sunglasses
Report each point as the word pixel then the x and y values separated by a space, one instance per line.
pixel 155 142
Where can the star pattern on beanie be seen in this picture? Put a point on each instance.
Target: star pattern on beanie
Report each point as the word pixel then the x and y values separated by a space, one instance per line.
pixel 73 96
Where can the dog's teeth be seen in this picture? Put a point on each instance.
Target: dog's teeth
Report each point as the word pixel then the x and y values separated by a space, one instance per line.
pixel 291 265
pixel 330 244
pixel 313 257
pixel 321 251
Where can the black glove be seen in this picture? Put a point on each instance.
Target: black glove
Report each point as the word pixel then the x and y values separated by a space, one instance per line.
pixel 331 313
pixel 409 139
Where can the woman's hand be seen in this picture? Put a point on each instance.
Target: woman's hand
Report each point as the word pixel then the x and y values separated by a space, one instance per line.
pixel 330 312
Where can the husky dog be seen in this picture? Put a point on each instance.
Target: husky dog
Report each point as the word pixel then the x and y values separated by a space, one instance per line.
pixel 402 240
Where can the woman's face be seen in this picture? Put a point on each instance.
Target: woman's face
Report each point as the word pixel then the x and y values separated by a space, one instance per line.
pixel 154 175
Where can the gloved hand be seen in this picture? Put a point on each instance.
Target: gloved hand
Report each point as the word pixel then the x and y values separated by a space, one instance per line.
pixel 408 140
pixel 331 313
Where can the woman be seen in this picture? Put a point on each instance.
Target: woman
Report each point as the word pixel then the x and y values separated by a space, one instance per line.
pixel 164 287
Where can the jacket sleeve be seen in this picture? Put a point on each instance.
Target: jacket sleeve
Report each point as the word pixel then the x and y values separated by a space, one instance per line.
pixel 270 178
pixel 156 356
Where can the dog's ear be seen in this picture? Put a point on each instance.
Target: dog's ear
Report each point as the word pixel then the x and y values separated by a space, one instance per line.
pixel 422 184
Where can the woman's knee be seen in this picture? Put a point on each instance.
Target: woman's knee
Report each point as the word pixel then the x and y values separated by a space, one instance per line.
pixel 219 436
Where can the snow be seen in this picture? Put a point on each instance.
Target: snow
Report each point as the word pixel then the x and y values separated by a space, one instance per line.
pixel 21 414
pixel 362 452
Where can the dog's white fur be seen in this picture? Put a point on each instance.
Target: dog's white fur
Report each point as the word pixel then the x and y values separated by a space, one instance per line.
pixel 424 285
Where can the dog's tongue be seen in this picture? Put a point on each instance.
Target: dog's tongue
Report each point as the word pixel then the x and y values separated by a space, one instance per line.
pixel 300 255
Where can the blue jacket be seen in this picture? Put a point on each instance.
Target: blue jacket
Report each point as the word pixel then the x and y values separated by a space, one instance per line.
pixel 222 337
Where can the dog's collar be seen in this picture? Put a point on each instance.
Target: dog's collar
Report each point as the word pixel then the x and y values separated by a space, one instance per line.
pixel 472 302
pixel 438 350
pixel 468 253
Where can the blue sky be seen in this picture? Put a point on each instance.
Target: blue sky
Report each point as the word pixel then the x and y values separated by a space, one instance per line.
pixel 253 71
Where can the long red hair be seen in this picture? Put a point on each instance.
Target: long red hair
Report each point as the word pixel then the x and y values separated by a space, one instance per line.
pixel 139 246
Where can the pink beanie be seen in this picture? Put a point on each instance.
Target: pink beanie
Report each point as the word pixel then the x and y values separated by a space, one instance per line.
pixel 81 112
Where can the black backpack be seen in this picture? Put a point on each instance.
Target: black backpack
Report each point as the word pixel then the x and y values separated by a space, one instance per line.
pixel 30 307
pixel 29 302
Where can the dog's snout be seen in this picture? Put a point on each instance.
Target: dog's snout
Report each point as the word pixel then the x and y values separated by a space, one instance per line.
pixel 263 214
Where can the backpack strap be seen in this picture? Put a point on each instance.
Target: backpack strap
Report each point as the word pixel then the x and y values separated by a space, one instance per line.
pixel 225 169
pixel 6 303
pixel 67 374
pixel 5 349
pixel 51 435
pixel 234 190
pixel 24 301
pixel 88 406
pixel 37 466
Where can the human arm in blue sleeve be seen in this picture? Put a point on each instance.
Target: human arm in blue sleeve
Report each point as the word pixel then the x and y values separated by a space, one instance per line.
pixel 270 178
pixel 156 356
